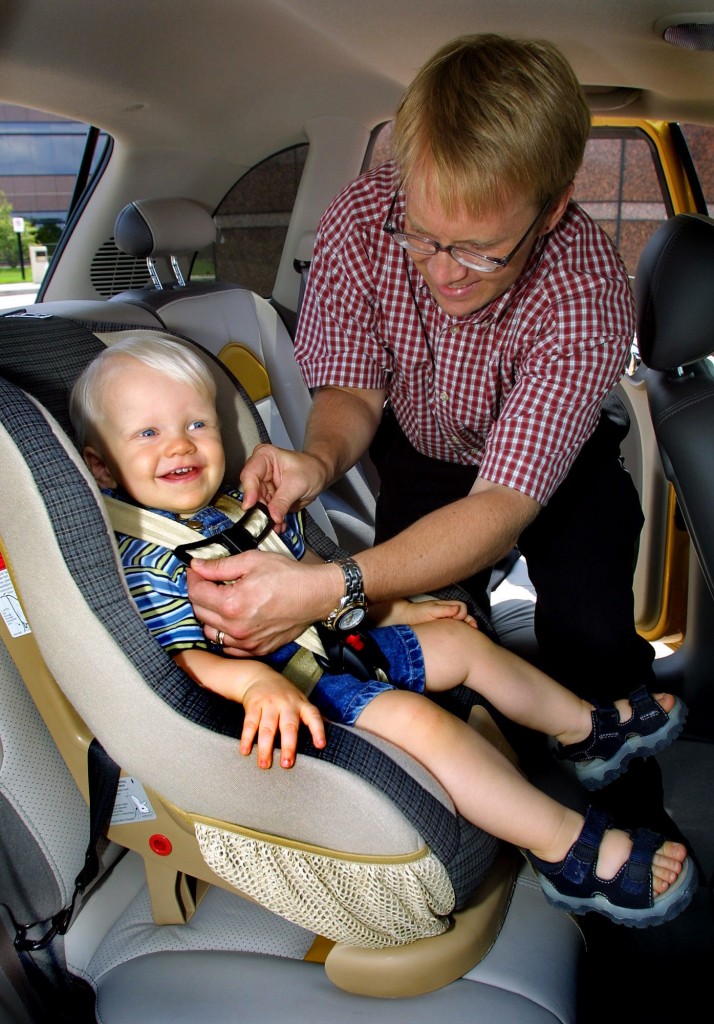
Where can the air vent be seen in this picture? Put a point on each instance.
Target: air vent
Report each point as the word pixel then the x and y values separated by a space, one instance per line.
pixel 688 31
pixel 113 271
pixel 691 37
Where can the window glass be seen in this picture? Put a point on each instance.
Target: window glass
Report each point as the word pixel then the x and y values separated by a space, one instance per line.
pixel 40 155
pixel 253 219
pixel 700 140
pixel 619 186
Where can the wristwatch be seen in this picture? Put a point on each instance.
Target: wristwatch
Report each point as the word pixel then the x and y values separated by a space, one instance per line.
pixel 353 606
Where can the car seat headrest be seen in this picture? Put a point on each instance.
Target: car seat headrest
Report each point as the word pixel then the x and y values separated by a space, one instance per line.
pixel 163 227
pixel 674 293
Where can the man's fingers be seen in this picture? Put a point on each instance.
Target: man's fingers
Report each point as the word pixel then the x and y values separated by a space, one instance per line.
pixel 217 570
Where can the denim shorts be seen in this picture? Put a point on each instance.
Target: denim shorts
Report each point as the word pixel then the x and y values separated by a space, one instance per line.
pixel 342 698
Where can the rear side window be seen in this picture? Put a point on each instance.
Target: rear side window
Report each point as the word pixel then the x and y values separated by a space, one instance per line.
pixel 253 220
pixel 700 140
pixel 621 186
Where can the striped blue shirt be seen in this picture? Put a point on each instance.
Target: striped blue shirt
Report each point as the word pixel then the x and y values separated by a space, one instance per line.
pixel 157 579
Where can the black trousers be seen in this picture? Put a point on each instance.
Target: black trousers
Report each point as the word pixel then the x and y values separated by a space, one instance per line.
pixel 580 553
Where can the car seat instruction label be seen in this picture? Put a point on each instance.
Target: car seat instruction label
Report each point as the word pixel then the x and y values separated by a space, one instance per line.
pixel 10 607
pixel 131 804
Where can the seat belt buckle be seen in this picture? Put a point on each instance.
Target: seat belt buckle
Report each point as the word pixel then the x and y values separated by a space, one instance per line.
pixel 244 535
pixel 58 926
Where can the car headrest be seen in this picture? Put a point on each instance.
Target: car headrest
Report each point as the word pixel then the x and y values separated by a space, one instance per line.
pixel 163 227
pixel 674 293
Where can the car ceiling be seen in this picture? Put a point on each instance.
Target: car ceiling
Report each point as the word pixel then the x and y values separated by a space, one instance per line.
pixel 235 79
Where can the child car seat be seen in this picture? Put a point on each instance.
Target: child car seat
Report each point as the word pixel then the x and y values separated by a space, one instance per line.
pixel 94 671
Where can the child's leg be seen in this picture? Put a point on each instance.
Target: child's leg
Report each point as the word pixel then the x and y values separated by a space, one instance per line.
pixel 455 653
pixel 488 791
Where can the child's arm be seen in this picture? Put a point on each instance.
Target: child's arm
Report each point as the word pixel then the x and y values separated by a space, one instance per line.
pixel 412 613
pixel 272 703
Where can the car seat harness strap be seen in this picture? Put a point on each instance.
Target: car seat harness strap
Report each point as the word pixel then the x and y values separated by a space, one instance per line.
pixel 355 653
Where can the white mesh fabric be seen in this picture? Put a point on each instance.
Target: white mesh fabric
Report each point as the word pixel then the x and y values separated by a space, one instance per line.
pixel 363 904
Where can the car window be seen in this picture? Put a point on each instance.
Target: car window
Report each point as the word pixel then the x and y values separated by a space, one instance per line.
pixel 700 140
pixel 620 186
pixel 253 220
pixel 40 157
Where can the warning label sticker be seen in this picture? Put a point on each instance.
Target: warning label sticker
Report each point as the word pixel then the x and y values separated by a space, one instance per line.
pixel 132 803
pixel 10 607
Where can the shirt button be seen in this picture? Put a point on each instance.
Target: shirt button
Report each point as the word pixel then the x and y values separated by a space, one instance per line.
pixel 195 524
pixel 453 331
pixel 444 396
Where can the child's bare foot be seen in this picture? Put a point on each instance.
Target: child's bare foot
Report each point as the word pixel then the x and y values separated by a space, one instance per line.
pixel 605 870
pixel 616 847
pixel 640 726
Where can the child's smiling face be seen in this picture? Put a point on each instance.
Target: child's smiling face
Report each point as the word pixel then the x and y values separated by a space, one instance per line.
pixel 159 439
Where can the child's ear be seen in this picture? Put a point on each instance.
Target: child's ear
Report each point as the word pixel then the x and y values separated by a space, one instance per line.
pixel 98 468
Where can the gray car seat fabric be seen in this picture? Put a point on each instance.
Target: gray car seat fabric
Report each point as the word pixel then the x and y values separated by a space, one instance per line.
pixel 171 728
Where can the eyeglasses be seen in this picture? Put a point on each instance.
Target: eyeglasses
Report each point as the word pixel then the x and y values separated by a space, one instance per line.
pixel 468 258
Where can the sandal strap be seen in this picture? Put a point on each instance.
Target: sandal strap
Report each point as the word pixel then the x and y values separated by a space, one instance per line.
pixel 608 731
pixel 637 870
pixel 646 711
pixel 582 856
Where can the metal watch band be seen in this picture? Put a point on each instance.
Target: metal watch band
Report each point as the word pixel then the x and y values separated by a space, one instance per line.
pixel 354 587
pixel 354 590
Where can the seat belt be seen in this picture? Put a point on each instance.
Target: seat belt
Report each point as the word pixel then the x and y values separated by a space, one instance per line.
pixel 103 779
pixel 302 267
pixel 356 654
pixel 39 960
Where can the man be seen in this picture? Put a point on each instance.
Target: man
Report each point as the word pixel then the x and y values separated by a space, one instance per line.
pixel 465 322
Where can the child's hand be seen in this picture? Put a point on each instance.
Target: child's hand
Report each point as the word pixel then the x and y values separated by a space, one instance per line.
pixel 412 613
pixel 273 705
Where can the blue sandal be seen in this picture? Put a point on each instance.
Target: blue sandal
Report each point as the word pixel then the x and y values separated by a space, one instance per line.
pixel 628 898
pixel 612 744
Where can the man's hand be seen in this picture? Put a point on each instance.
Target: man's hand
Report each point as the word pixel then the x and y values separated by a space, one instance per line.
pixel 284 480
pixel 271 600
pixel 273 705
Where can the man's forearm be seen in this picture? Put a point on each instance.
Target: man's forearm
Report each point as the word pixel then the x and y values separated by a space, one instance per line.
pixel 341 426
pixel 448 545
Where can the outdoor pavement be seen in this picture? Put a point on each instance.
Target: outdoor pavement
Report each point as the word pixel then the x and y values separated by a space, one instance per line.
pixel 17 295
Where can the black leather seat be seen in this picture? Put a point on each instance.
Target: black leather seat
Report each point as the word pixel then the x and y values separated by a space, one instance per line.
pixel 674 292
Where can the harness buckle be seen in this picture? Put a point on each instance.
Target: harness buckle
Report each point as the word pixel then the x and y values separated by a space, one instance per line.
pixel 244 535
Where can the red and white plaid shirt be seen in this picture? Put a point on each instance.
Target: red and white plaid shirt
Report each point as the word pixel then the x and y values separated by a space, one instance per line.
pixel 516 387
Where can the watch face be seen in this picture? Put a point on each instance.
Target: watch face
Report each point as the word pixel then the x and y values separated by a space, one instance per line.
pixel 349 618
